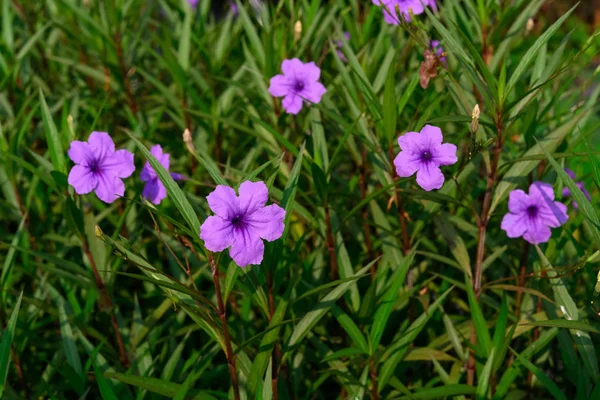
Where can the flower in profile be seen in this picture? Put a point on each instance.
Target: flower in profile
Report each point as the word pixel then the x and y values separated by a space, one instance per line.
pixel 405 7
pixel 99 167
pixel 299 81
pixel 154 190
pixel 423 152
pixel 193 4
pixel 242 222
pixel 339 44
pixel 532 215
pixel 567 192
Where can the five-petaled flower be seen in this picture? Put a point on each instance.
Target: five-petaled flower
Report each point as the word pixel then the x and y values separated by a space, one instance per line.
pixel 423 152
pixel 99 167
pixel 154 190
pixel 300 81
pixel 532 215
pixel 242 222
pixel 391 8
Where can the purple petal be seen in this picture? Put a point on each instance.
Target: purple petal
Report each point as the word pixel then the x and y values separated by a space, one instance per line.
pixel 311 72
pixel 432 135
pixel 223 202
pixel 154 191
pixel 514 225
pixel 537 231
pixel 163 158
pixel 315 91
pixel 541 190
pixel 268 222
pixel 120 164
pixel 410 141
pixel 80 153
pixel 101 144
pixel 82 179
pixel 252 196
pixel 292 68
pixel 566 192
pixel 247 247
pixel 178 177
pixel 292 104
pixel 216 233
pixel 430 177
pixel 406 163
pixel 279 86
pixel 109 188
pixel 553 214
pixel 518 201
pixel 445 154
pixel 147 173
pixel 570 173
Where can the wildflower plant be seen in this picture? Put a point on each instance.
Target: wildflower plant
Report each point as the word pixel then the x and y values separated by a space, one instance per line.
pixel 401 235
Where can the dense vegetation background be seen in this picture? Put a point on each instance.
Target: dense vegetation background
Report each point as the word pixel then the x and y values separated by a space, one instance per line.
pixel 377 289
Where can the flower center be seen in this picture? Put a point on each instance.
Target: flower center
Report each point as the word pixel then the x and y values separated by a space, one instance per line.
pixel 299 86
pixel 94 166
pixel 238 222
pixel 426 156
pixel 532 211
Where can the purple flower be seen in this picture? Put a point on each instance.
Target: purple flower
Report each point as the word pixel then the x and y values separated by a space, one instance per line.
pixel 532 215
pixel 299 82
pixel 154 190
pixel 390 13
pixel 566 192
pixel 193 3
pixel 437 48
pixel 423 152
pixel 339 44
pixel 242 222
pixel 99 167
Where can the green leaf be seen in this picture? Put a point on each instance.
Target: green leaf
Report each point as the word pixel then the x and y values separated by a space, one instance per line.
pixel 533 50
pixel 6 343
pixel 7 26
pixel 52 137
pixel 174 191
pixel 563 299
pixel 105 386
pixel 483 385
pixel 484 341
pixel 319 310
pixel 542 377
pixel 155 385
pixel 440 392
pixel 389 298
pixel 183 55
pixel 394 353
pixel 564 323
pixel 68 338
pixel 389 105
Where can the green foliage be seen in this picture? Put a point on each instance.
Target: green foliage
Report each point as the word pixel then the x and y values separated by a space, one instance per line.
pixel 372 291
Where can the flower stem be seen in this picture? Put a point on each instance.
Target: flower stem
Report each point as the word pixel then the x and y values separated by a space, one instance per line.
pixel 373 373
pixel 107 304
pixel 331 245
pixel 275 356
pixel 482 226
pixel 223 317
pixel 365 210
